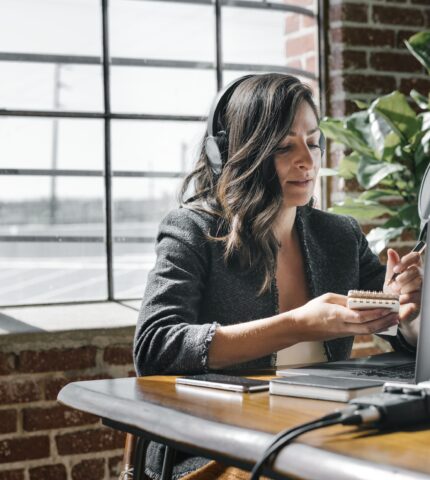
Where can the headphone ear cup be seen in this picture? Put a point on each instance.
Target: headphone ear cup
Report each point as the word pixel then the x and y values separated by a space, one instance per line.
pixel 213 154
pixel 216 150
pixel 322 143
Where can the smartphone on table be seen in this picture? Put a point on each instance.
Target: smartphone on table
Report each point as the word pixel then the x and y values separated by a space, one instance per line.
pixel 224 382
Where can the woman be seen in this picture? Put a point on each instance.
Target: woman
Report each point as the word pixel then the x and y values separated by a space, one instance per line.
pixel 247 267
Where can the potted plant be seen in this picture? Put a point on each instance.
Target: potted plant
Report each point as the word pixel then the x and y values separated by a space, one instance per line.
pixel 388 150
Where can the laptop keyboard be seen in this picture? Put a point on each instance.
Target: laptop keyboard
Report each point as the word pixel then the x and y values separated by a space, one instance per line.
pixel 402 371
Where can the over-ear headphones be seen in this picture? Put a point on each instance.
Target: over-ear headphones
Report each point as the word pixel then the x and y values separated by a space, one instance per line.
pixel 216 143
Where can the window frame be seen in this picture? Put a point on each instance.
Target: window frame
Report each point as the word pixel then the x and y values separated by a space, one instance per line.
pixel 107 115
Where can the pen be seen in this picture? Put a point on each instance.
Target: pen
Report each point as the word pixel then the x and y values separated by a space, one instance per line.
pixel 419 248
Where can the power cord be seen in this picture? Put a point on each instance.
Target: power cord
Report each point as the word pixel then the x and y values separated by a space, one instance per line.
pixel 397 406
pixel 286 436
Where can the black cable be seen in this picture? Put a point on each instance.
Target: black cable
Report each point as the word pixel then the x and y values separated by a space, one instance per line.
pixel 286 436
pixel 391 408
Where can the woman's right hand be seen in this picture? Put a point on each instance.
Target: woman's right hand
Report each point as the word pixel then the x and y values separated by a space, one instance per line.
pixel 328 316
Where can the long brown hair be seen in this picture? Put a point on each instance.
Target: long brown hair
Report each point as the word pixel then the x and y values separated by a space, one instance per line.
pixel 246 196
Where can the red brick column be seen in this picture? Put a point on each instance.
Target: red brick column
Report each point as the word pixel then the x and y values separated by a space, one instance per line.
pixel 367 55
pixel 367 58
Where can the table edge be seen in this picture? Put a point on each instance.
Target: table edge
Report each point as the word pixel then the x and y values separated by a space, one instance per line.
pixel 295 460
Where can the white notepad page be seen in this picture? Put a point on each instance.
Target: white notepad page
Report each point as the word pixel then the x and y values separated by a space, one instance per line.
pixel 304 352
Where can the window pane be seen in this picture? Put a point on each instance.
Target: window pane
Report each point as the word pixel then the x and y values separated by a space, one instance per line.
pixel 174 91
pixel 230 75
pixel 139 205
pixel 59 270
pixel 155 145
pixel 48 142
pixel 50 26
pixel 162 30
pixel 42 272
pixel 49 86
pixel 253 36
pixel 300 3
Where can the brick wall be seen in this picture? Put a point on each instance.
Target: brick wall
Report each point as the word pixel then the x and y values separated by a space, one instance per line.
pixel 367 55
pixel 368 58
pixel 41 439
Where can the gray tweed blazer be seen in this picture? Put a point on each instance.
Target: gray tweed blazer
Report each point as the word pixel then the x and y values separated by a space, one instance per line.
pixel 191 290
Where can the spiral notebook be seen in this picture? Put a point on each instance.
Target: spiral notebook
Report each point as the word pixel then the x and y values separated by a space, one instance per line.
pixel 365 300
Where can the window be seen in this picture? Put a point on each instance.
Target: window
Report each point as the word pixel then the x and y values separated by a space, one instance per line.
pixel 102 109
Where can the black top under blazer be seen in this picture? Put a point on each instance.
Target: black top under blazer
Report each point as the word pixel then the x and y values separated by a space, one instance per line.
pixel 191 290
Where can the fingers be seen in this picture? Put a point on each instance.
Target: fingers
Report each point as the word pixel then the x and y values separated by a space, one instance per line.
pixel 412 297
pixel 348 315
pixel 393 258
pixel 375 326
pixel 408 281
pixel 408 274
pixel 412 258
pixel 408 312
pixel 334 298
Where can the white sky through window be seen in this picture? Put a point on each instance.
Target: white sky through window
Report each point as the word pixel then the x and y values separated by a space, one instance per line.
pixel 138 29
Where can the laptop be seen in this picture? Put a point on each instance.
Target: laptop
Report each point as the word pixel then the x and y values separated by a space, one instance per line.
pixel 390 367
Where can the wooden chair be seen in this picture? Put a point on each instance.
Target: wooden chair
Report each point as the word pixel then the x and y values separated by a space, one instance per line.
pixel 129 457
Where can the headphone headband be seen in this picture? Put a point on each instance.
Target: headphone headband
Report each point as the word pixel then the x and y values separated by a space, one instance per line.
pixel 219 103
pixel 217 140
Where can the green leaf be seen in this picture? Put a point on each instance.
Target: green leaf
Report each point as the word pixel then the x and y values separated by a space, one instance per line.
pixel 360 209
pixel 395 110
pixel 420 170
pixel 337 131
pixel 348 166
pixel 370 172
pixel 358 123
pixel 378 238
pixel 390 144
pixel 419 45
pixel 328 172
pixel 419 99
pixel 370 128
pixel 378 131
pixel 361 105
pixel 425 118
pixel 408 214
pixel 422 153
pixel 377 194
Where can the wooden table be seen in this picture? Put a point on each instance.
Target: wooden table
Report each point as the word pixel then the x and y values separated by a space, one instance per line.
pixel 235 428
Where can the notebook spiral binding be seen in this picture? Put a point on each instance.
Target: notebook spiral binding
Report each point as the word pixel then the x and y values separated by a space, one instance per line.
pixel 360 299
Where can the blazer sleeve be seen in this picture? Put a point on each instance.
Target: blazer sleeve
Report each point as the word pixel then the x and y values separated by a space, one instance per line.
pixel 372 276
pixel 169 338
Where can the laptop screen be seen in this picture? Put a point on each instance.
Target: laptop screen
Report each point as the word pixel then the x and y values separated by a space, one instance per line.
pixel 422 369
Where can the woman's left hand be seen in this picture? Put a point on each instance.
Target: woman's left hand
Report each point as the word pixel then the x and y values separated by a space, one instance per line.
pixel 408 283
